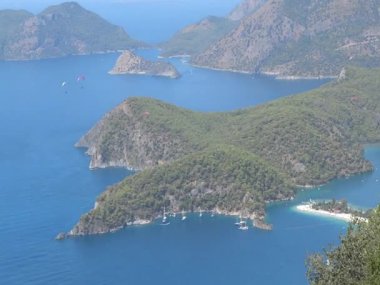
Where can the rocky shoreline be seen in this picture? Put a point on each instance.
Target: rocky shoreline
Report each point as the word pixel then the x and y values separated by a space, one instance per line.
pixel 257 221
pixel 274 75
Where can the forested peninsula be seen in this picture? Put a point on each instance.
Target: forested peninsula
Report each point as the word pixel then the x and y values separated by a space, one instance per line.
pixel 233 162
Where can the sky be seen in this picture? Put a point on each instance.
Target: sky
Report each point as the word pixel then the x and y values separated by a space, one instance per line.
pixel 38 5
pixel 147 20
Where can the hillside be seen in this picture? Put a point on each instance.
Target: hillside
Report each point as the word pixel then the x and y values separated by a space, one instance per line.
pixel 130 63
pixel 304 139
pixel 316 39
pixel 356 261
pixel 65 29
pixel 195 38
pixel 245 8
pixel 225 180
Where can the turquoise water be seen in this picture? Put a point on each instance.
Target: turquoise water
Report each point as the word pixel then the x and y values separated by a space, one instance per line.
pixel 45 183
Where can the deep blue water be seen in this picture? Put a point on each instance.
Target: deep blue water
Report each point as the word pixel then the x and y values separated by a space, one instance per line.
pixel 45 183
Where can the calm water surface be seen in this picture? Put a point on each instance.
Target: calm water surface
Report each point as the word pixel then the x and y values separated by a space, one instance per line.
pixel 45 185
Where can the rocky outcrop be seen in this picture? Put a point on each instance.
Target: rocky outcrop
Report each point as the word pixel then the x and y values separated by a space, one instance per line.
pixel 130 63
pixel 314 39
pixel 61 30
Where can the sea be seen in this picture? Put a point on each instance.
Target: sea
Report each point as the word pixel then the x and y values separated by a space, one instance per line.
pixel 46 185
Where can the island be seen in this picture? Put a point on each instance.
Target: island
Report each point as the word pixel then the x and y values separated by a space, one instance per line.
pixel 230 162
pixel 59 30
pixel 338 209
pixel 130 63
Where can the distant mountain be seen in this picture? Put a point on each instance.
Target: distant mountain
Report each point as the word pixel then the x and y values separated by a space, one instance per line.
pixel 195 38
pixel 231 162
pixel 130 63
pixel 308 38
pixel 245 8
pixel 60 30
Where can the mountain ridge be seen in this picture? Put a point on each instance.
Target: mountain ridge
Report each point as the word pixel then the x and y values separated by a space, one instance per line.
pixel 59 30
pixel 316 40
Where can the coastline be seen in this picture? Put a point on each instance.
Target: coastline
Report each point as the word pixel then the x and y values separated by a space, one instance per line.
pixel 256 222
pixel 307 208
pixel 278 76
pixel 274 75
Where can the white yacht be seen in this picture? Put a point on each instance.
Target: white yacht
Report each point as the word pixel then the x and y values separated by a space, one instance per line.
pixel 183 215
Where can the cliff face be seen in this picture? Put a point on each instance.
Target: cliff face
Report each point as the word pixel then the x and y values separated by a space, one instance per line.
pixel 60 30
pixel 300 38
pixel 129 63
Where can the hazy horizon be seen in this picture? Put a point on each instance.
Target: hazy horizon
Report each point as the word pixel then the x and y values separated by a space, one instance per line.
pixel 126 13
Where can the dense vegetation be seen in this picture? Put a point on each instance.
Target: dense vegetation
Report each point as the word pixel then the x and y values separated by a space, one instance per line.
pixel 224 179
pixel 59 30
pixel 339 206
pixel 356 261
pixel 304 139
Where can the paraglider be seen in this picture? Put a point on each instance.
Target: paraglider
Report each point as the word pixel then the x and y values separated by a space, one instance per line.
pixel 80 79
pixel 64 85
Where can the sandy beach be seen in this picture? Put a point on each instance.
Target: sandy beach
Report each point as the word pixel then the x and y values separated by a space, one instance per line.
pixel 308 209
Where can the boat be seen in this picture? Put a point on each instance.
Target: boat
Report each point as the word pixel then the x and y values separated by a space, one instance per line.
pixel 243 225
pixel 183 215
pixel 239 221
pixel 165 218
pixel 200 213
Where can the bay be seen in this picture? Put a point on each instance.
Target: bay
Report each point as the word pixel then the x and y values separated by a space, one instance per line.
pixel 45 183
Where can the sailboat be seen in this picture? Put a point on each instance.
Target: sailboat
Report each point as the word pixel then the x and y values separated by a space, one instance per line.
pixel 183 215
pixel 243 225
pixel 238 221
pixel 165 218
pixel 200 213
